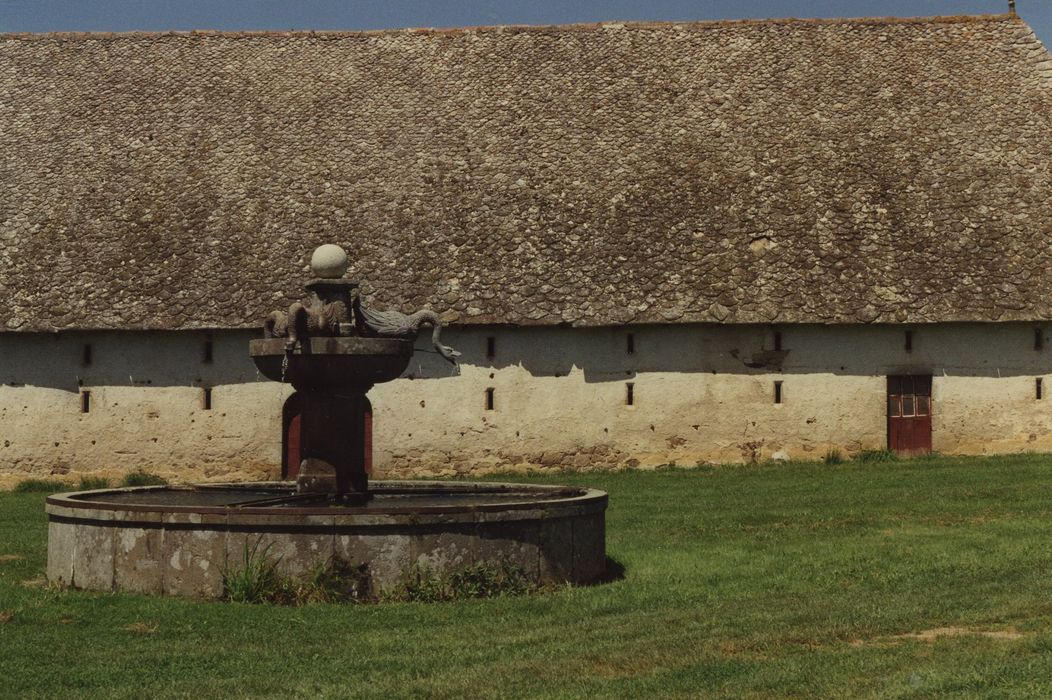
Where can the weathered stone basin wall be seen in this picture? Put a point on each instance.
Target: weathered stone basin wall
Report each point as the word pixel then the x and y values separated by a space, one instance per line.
pixel 185 550
pixel 559 397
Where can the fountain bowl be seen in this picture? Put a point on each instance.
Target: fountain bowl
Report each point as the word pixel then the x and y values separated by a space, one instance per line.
pixel 179 540
pixel 332 363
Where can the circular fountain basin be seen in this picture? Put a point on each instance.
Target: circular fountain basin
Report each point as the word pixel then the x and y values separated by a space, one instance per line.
pixel 178 540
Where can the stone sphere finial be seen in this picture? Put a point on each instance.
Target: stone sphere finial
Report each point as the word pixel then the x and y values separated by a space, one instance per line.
pixel 329 262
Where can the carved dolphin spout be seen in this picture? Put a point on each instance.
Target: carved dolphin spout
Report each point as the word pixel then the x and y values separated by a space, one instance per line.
pixel 394 324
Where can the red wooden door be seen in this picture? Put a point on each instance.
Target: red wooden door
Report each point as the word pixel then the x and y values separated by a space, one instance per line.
pixel 292 440
pixel 368 439
pixel 909 414
pixel 292 448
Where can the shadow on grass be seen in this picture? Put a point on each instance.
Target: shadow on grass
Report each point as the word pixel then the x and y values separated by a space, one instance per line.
pixel 614 571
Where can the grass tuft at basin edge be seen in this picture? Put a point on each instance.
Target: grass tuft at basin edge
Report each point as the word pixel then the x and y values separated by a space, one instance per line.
pixel 478 580
pixel 257 578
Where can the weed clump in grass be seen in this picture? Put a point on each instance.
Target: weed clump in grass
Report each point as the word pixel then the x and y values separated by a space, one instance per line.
pixel 87 483
pixel 833 457
pixel 40 486
pixel 143 479
pixel 335 581
pixel 876 456
pixel 480 580
pixel 257 581
pixel 260 581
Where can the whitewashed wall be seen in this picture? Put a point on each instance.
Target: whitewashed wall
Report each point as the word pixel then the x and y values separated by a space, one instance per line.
pixel 559 399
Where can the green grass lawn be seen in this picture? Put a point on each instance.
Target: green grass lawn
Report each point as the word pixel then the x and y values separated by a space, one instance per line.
pixel 799 580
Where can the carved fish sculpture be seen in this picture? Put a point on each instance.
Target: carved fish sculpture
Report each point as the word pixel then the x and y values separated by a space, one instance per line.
pixel 394 324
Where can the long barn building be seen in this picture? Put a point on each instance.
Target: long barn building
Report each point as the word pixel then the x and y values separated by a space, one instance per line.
pixel 654 243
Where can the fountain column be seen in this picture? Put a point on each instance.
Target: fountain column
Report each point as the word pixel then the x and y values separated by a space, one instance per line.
pixel 332 426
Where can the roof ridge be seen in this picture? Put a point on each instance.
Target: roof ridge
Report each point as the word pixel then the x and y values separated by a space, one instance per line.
pixel 518 28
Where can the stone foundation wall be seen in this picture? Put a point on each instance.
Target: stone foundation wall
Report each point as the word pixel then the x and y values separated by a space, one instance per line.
pixel 702 393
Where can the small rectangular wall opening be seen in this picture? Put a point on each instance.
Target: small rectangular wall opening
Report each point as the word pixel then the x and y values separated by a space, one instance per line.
pixel 1039 339
pixel 491 347
pixel 630 394
pixel 778 392
pixel 1038 389
pixel 207 352
pixel 85 401
pixel 206 398
pixel 630 344
pixel 86 354
pixel 489 399
pixel 909 341
pixel 778 341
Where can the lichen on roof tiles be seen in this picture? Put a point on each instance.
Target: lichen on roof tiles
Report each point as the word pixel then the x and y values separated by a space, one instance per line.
pixel 742 172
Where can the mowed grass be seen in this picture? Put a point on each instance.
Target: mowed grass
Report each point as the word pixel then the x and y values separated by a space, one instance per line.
pixel 795 580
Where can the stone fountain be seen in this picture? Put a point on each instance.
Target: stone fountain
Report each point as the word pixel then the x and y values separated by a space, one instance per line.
pixel 180 540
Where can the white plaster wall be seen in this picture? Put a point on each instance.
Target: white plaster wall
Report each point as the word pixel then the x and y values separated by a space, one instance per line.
pixel 146 407
pixel 559 399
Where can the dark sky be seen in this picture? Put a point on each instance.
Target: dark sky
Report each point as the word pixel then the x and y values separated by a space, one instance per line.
pixel 159 15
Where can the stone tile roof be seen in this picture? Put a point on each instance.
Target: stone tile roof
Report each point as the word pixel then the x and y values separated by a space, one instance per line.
pixel 778 171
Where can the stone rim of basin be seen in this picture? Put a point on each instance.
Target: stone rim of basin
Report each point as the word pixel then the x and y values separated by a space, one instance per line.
pixel 509 497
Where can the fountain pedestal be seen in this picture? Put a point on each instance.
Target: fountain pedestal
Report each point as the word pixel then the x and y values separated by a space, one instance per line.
pixel 333 446
pixel 332 376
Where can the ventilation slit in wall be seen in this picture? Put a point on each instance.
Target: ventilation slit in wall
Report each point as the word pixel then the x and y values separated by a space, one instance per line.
pixel 85 354
pixel 778 340
pixel 630 344
pixel 778 392
pixel 909 341
pixel 206 398
pixel 630 394
pixel 491 347
pixel 489 399
pixel 206 354
pixel 85 401
pixel 1038 389
pixel 1039 339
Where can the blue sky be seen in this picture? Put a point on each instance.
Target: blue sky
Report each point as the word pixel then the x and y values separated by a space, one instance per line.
pixel 159 15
